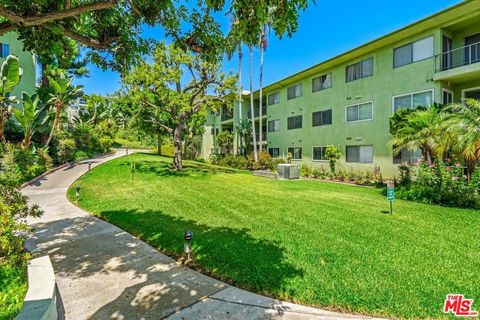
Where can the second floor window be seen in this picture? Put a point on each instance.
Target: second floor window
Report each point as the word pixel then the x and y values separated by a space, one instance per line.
pixel 322 82
pixel 413 100
pixel 273 98
pixel 294 122
pixel 413 52
pixel 321 118
pixel 295 91
pixel 274 126
pixel 359 70
pixel 360 112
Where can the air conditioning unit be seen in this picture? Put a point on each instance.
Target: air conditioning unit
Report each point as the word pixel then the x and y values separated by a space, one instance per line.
pixel 288 171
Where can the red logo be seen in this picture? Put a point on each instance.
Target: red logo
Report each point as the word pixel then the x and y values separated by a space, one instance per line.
pixel 459 306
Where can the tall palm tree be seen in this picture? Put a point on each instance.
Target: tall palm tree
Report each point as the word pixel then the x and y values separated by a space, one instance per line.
pixel 252 107
pixel 240 92
pixel 63 94
pixel 466 128
pixel 423 129
pixel 262 44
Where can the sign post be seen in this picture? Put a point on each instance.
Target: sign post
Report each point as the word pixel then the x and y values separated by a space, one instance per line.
pixel 391 194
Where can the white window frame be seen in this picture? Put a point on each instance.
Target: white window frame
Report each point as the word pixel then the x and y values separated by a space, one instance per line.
pixel 293 154
pixel 448 91
pixel 312 154
pixel 359 146
pixel 358 104
pixel 411 97
pixel 268 123
pixel 469 89
pixel 271 94
pixel 412 44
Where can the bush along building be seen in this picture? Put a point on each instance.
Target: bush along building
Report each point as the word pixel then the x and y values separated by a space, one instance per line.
pixel 9 44
pixel 347 101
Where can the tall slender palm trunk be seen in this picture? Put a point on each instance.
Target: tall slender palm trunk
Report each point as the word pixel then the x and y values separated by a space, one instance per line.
pixel 260 111
pixel 56 123
pixel 240 98
pixel 252 107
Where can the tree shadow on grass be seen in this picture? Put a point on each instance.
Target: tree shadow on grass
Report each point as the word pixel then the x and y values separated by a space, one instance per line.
pixel 105 272
pixel 165 169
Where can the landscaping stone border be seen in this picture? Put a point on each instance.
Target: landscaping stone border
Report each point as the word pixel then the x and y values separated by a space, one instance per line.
pixel 40 303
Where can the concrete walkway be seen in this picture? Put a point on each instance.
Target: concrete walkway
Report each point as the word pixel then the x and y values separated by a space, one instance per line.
pixel 103 272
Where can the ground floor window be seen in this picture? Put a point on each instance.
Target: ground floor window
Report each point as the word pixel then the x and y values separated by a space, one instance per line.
pixel 296 152
pixel 447 96
pixel 360 154
pixel 318 153
pixel 274 152
pixel 408 156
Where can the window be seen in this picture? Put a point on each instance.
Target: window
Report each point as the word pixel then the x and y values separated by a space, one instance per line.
pixel 294 122
pixel 447 96
pixel 407 156
pixel 5 50
pixel 214 131
pixel 359 70
pixel 413 52
pixel 273 98
pixel 296 153
pixel 360 112
pixel 294 92
pixel 322 118
pixel 360 154
pixel 274 126
pixel 318 153
pixel 413 100
pixel 322 82
pixel 274 152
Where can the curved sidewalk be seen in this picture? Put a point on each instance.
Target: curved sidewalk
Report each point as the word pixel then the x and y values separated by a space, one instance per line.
pixel 103 272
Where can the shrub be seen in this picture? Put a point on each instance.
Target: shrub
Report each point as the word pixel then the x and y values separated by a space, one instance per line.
pixel 238 162
pixel 80 155
pixel 306 170
pixel 13 211
pixel 65 150
pixel 167 150
pixel 332 154
pixel 319 173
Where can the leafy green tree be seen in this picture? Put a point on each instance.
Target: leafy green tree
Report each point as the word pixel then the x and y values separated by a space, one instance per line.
pixel 63 94
pixel 30 116
pixel 244 129
pixel 225 140
pixel 10 77
pixel 332 154
pixel 181 84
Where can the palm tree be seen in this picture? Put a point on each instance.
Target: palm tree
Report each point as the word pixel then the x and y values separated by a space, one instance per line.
pixel 252 107
pixel 262 44
pixel 240 90
pixel 63 94
pixel 423 129
pixel 465 126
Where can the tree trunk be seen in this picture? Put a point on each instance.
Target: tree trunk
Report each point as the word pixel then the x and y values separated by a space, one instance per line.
pixel 45 82
pixel 240 90
pixel 260 111
pixel 159 144
pixel 55 125
pixel 252 107
pixel 177 147
pixel 2 128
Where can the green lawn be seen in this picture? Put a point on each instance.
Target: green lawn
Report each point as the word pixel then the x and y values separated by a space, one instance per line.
pixel 315 243
pixel 13 287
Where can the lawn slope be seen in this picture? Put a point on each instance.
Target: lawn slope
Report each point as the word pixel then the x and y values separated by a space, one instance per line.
pixel 315 243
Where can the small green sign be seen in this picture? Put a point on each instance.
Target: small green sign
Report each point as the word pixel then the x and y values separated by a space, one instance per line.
pixel 391 194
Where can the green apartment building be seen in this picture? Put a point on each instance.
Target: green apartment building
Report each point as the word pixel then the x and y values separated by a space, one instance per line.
pixel 9 44
pixel 347 101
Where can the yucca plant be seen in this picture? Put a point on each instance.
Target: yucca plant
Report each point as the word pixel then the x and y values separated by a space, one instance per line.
pixel 10 77
pixel 64 93
pixel 29 116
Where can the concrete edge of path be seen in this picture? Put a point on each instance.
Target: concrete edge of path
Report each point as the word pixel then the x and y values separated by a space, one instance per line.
pixel 40 302
pixel 60 167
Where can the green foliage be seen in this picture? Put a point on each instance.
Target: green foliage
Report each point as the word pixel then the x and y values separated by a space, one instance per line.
pixel 225 140
pixel 442 184
pixel 14 209
pixel 237 162
pixel 30 116
pixel 10 77
pixel 302 238
pixel 65 150
pixel 13 287
pixel 306 170
pixel 18 165
pixel 332 154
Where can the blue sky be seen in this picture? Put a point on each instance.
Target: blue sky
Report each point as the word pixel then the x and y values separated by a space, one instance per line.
pixel 325 30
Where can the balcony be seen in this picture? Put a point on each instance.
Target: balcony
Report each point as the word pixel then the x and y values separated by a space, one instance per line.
pixel 458 64
pixel 257 112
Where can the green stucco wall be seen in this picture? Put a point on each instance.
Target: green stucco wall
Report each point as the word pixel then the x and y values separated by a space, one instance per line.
pixel 380 89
